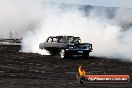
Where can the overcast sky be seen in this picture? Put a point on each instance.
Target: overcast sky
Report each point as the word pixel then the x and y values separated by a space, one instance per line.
pixel 108 3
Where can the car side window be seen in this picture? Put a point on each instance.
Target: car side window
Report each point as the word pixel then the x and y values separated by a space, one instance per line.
pixel 49 40
pixel 63 40
pixel 55 40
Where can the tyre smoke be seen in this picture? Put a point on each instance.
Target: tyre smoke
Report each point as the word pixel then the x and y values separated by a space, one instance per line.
pixel 110 37
pixel 108 30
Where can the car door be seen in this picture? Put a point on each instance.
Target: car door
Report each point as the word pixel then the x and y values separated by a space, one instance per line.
pixel 48 43
pixel 52 45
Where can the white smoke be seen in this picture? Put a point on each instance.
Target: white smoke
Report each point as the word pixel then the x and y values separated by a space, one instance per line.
pixel 18 16
pixel 106 36
pixel 37 20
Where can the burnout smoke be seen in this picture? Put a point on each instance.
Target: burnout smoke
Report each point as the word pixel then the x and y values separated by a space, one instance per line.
pixel 107 37
pixel 108 31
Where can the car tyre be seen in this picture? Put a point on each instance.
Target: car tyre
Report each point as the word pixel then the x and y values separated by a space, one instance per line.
pixel 62 53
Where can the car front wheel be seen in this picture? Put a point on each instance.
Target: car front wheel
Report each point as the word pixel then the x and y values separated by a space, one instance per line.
pixel 62 53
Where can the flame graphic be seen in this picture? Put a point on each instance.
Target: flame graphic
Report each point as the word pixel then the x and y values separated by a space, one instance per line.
pixel 81 71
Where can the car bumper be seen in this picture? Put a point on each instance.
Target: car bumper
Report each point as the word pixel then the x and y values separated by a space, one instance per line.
pixel 77 51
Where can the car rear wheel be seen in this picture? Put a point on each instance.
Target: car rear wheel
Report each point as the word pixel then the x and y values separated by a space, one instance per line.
pixel 62 53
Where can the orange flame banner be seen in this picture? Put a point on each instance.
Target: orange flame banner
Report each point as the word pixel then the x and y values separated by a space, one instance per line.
pixel 81 71
pixel 103 78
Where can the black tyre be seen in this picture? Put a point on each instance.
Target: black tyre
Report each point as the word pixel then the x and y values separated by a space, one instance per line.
pixel 63 53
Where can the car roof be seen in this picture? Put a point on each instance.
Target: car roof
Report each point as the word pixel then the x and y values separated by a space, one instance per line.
pixel 64 36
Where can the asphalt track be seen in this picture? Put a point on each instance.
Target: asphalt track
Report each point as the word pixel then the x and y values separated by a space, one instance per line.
pixel 31 70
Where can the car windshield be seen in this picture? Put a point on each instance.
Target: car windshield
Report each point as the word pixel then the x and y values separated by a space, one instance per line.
pixel 74 40
pixel 69 40
pixel 63 39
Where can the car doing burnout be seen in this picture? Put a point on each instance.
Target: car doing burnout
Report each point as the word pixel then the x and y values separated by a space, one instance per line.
pixel 66 46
